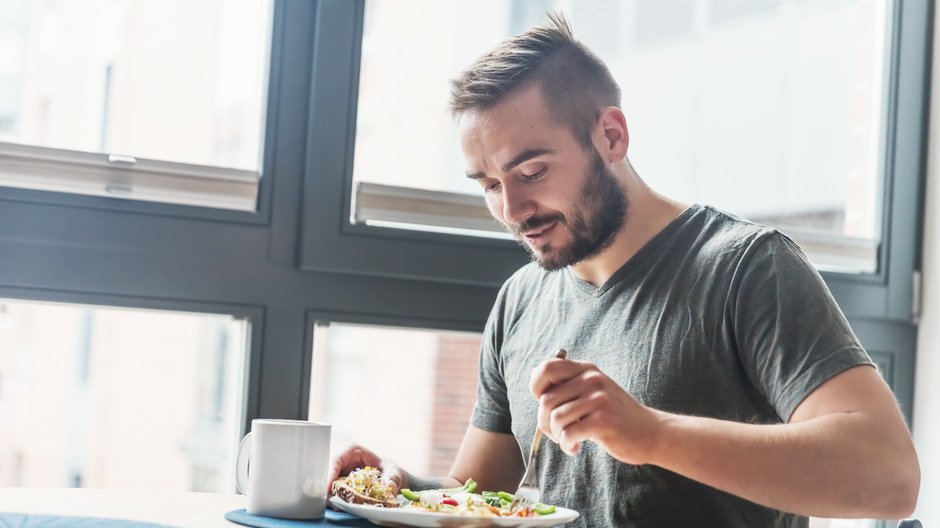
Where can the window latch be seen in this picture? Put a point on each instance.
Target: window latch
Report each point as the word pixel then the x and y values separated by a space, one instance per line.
pixel 123 160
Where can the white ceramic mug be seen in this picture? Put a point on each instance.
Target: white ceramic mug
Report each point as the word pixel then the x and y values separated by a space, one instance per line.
pixel 289 460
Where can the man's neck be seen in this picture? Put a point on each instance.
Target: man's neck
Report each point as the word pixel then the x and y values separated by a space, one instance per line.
pixel 648 214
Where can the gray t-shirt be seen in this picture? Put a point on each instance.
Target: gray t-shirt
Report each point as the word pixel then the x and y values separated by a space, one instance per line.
pixel 715 316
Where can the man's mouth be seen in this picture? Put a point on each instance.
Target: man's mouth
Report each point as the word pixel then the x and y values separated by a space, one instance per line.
pixel 539 236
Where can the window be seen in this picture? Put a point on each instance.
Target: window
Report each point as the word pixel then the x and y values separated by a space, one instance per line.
pixel 119 398
pixel 103 99
pixel 302 257
pixel 369 380
pixel 773 110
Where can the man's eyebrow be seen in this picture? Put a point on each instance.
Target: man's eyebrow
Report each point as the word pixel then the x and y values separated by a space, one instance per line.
pixel 525 156
pixel 520 158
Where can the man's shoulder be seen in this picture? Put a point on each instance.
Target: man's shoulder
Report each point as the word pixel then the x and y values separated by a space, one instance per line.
pixel 724 222
pixel 727 232
pixel 728 243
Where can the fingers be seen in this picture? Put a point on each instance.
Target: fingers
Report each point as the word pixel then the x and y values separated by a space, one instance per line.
pixel 554 397
pixel 569 413
pixel 564 408
pixel 556 371
pixel 393 475
pixel 574 433
pixel 353 457
pixel 357 456
pixel 590 380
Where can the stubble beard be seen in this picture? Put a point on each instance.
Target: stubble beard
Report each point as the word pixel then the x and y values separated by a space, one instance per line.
pixel 598 215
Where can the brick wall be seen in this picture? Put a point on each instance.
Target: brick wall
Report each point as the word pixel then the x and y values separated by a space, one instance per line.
pixel 454 395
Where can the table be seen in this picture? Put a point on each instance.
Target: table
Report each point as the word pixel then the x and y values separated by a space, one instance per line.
pixel 178 509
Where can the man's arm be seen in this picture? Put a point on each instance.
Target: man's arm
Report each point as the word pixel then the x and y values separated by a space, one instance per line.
pixel 493 460
pixel 845 452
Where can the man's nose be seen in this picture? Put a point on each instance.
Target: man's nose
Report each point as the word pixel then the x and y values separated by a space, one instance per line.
pixel 517 205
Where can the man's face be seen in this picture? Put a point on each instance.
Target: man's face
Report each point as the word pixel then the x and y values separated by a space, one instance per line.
pixel 562 203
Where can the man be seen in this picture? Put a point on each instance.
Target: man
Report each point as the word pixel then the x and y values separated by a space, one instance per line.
pixel 711 380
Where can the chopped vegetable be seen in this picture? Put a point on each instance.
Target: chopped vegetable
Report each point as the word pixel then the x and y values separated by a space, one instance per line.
pixel 463 501
pixel 469 487
pixel 543 509
pixel 410 495
pixel 493 500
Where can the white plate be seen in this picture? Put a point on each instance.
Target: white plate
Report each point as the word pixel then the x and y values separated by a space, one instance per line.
pixel 414 517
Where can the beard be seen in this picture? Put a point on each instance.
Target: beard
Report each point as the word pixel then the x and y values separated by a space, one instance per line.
pixel 597 215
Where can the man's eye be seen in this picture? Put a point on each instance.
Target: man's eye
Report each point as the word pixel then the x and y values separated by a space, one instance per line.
pixel 533 177
pixel 492 187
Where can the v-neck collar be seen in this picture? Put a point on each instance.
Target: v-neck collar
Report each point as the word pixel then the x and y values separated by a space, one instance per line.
pixel 637 259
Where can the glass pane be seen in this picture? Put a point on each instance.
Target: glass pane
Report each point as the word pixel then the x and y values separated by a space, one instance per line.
pixel 170 80
pixel 429 413
pixel 771 109
pixel 119 398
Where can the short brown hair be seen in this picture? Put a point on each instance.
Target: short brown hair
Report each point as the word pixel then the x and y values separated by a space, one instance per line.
pixel 575 82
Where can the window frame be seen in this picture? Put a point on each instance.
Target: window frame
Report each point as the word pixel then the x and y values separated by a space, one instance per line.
pixel 328 184
pixel 295 260
pixel 109 175
pixel 126 253
pixel 889 293
pixel 260 216
pixel 475 260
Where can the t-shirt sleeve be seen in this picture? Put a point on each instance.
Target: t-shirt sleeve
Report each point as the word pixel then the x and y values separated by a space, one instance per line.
pixel 791 334
pixel 491 411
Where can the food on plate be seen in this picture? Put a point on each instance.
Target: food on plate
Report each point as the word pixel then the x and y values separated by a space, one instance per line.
pixel 467 503
pixel 365 486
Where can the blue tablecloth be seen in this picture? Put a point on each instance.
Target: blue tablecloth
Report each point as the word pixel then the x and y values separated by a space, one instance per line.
pixel 333 518
pixel 27 520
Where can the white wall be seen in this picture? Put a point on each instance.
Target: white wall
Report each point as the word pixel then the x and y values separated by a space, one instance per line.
pixel 926 388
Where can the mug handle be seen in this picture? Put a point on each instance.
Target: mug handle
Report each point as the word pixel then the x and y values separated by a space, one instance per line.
pixel 241 465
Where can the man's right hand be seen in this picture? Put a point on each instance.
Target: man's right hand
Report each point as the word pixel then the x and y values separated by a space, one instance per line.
pixel 357 456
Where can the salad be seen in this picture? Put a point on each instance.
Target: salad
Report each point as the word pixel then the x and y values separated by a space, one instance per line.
pixel 366 486
pixel 463 501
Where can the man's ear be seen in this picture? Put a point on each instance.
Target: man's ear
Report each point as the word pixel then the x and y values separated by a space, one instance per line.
pixel 612 138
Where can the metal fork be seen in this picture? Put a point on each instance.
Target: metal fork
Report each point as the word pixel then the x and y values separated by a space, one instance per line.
pixel 529 494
